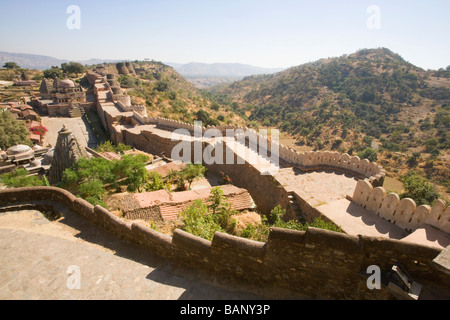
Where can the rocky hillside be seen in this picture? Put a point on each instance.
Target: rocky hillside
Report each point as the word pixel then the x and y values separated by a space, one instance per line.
pixel 372 98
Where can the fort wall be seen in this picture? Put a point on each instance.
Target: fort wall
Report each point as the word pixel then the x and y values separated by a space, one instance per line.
pixel 312 264
pixel 309 161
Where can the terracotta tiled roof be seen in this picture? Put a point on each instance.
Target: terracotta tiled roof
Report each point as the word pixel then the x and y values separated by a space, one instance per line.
pixel 111 155
pixel 171 204
pixel 165 169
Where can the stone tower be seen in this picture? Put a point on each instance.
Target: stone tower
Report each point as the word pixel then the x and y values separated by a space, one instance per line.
pixel 67 152
pixel 122 68
pixel 45 89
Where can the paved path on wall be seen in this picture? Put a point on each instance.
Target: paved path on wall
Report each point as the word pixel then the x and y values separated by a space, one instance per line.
pixel 79 127
pixel 356 220
pixel 317 187
pixel 40 260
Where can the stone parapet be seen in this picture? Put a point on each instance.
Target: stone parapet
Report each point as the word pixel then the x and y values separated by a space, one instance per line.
pixel 402 212
pixel 313 264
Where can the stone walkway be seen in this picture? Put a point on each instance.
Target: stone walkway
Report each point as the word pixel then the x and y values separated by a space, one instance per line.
pixel 317 187
pixel 355 220
pixel 78 126
pixel 71 260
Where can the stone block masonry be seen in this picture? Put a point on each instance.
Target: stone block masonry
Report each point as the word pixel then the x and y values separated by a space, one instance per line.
pixel 312 264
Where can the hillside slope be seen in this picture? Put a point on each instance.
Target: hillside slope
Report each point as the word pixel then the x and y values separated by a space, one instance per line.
pixel 372 98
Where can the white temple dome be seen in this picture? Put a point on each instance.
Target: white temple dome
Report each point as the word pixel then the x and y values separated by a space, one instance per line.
pixel 66 83
pixel 18 149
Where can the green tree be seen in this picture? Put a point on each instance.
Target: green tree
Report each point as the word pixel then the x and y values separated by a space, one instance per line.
pixel 11 65
pixel 53 72
pixel 192 172
pixel 132 168
pixel 92 189
pixel 21 179
pixel 221 210
pixel 121 148
pixel 12 131
pixel 162 86
pixel 419 189
pixel 205 118
pixel 431 144
pixel 92 178
pixel 370 154
pixel 73 68
pixel 129 82
pixel 155 182
pixel 199 222
pixel 106 147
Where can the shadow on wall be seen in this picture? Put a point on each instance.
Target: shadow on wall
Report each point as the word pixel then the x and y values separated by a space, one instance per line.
pixel 382 226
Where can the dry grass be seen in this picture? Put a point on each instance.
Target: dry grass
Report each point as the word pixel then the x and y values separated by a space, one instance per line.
pixel 246 218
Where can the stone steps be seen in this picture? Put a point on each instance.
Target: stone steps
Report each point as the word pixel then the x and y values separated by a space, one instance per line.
pixel 294 207
pixel 76 112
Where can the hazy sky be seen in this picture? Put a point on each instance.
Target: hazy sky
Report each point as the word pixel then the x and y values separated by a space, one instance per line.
pixel 266 33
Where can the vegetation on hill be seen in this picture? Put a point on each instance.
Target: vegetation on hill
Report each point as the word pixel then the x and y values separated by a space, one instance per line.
pixel 371 99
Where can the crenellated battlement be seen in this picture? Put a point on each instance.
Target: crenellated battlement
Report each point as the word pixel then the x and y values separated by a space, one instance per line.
pixel 402 212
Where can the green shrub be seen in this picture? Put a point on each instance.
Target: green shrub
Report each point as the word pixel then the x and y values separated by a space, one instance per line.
pixel 419 189
pixel 199 222
pixel 155 182
pixel 370 154
pixel 21 179
pixel 92 178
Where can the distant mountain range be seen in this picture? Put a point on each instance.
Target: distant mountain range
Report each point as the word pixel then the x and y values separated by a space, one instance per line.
pixel 190 70
pixel 230 70
pixel 39 62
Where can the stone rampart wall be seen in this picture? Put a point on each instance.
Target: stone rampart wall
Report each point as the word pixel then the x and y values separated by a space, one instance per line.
pixel 401 212
pixel 309 161
pixel 312 264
